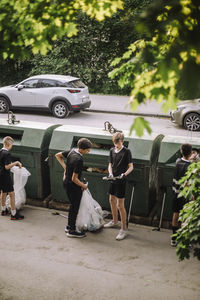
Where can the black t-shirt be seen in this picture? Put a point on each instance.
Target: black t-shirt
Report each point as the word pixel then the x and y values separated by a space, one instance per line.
pixel 5 159
pixel 120 160
pixel 74 164
pixel 180 170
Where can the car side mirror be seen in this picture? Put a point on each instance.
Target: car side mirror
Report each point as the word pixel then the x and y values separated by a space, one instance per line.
pixel 20 87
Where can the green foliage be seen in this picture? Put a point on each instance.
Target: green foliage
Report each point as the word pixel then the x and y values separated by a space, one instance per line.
pixel 188 236
pixel 164 63
pixel 13 71
pixel 139 125
pixel 87 55
pixel 33 25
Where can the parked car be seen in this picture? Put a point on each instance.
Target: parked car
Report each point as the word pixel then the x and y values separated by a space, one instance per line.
pixel 59 94
pixel 187 115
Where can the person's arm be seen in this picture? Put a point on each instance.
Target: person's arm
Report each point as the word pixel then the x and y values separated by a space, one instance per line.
pixel 15 163
pixel 110 171
pixel 130 164
pixel 129 170
pixel 60 159
pixel 110 162
pixel 78 182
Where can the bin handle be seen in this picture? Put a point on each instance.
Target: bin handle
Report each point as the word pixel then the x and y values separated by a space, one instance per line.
pixel 11 118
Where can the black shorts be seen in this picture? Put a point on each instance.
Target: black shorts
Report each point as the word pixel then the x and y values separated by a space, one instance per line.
pixel 117 188
pixel 178 203
pixel 6 184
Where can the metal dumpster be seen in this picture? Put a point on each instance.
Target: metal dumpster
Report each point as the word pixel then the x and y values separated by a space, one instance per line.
pixel 96 163
pixel 145 153
pixel 31 143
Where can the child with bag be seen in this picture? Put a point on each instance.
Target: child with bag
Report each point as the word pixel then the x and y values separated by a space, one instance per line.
pixel 72 182
pixel 6 184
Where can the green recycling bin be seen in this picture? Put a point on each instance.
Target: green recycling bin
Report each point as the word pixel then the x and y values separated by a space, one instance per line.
pixel 169 152
pixel 31 143
pixel 145 153
pixel 96 162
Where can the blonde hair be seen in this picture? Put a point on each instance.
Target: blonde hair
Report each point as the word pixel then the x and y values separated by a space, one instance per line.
pixel 118 136
pixel 8 140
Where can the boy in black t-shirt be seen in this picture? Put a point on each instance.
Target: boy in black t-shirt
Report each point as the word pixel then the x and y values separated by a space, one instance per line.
pixel 72 181
pixel 120 164
pixel 6 184
pixel 178 202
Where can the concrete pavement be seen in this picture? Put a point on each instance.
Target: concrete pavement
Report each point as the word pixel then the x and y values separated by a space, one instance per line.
pixel 38 262
pixel 119 104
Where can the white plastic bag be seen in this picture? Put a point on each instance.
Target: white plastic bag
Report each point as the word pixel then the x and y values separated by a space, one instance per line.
pixel 20 177
pixel 90 215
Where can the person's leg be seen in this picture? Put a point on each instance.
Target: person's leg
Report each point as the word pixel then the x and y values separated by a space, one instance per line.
pixel 175 219
pixel 174 228
pixel 12 200
pixel 14 214
pixel 123 232
pixel 113 205
pixel 74 195
pixel 175 209
pixel 122 211
pixel 4 210
pixel 114 210
pixel 3 199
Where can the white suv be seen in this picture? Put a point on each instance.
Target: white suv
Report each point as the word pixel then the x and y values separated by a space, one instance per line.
pixel 59 94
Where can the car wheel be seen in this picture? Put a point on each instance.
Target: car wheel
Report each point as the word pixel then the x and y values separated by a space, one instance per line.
pixel 4 106
pixel 60 109
pixel 192 122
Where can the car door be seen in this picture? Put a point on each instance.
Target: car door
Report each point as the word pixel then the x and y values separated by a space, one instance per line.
pixel 24 94
pixel 47 89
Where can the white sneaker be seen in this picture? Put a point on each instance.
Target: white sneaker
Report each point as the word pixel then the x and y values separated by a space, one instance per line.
pixel 111 224
pixel 121 235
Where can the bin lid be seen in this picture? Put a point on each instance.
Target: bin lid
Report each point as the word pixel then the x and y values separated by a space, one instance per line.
pixel 27 134
pixel 66 136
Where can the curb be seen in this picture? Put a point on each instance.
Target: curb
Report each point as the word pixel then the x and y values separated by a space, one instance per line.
pixel 128 113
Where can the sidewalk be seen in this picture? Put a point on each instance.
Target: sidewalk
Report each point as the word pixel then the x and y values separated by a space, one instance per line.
pixel 38 262
pixel 119 104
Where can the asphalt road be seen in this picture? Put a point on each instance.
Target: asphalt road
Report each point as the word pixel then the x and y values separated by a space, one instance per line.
pixel 96 119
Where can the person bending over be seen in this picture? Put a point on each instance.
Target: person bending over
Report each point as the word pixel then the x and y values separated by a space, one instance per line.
pixel 72 181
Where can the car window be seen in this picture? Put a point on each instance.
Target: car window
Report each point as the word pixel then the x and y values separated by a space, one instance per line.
pixel 31 83
pixel 75 84
pixel 43 83
pixel 61 84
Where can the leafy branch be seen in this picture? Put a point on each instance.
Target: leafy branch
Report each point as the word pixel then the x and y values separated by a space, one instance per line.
pixel 188 236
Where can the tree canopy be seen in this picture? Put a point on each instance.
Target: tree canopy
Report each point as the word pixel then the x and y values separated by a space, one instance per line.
pixel 165 63
pixel 86 55
pixel 33 25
